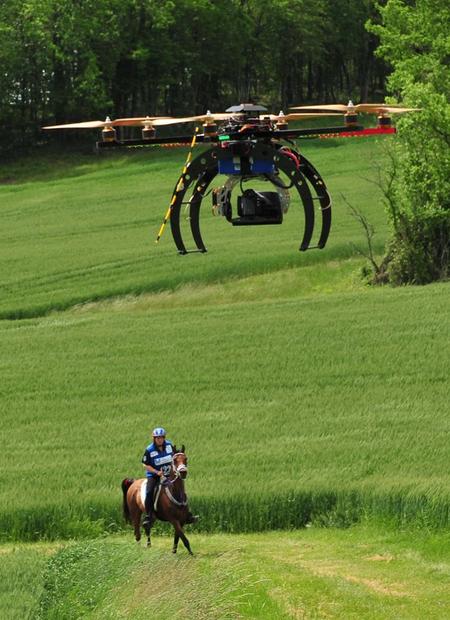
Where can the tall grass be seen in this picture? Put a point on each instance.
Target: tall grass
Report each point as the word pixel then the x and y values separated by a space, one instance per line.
pixel 325 409
pixel 114 580
pixel 22 579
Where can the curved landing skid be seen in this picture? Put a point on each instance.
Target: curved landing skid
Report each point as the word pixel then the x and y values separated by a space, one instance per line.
pixel 204 168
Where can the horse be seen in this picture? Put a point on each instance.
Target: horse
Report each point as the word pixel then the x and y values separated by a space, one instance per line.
pixel 170 502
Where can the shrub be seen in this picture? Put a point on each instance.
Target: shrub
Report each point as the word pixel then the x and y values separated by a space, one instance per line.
pixel 414 39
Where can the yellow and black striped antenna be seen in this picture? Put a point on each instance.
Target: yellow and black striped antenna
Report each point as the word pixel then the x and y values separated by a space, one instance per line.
pixel 179 187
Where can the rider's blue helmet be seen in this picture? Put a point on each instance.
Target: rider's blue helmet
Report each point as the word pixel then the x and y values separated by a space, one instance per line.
pixel 159 432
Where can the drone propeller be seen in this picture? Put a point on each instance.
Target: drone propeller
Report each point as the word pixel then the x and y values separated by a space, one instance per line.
pixel 381 108
pixel 294 116
pixel 85 125
pixel 209 117
pixel 205 118
pixel 119 122
pixel 148 121
pixel 350 108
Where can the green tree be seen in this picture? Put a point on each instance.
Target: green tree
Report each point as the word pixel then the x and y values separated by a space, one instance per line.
pixel 66 60
pixel 414 38
pixel 25 69
pixel 58 59
pixel 84 47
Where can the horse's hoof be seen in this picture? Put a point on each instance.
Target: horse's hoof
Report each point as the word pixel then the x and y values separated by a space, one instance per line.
pixel 174 550
pixel 193 519
pixel 190 552
pixel 149 544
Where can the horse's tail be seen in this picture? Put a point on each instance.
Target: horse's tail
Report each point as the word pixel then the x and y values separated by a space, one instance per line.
pixel 126 483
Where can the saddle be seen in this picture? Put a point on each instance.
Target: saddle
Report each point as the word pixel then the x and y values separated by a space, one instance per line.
pixel 190 519
pixel 155 496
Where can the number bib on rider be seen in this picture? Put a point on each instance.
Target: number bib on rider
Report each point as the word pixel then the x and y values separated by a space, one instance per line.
pixel 161 461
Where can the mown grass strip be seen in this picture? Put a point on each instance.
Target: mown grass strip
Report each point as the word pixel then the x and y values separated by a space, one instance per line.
pixel 360 572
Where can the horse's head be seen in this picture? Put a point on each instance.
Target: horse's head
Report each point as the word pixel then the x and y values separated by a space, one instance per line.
pixel 179 463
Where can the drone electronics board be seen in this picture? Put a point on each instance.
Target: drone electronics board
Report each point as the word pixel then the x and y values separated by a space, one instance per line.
pixel 247 143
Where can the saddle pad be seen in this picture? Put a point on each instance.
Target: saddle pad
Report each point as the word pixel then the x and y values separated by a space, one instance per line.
pixel 143 492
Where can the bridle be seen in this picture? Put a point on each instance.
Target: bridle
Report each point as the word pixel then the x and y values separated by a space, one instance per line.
pixel 182 467
pixel 177 471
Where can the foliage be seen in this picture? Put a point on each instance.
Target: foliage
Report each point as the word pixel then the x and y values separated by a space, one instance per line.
pixel 57 57
pixel 64 59
pixel 414 39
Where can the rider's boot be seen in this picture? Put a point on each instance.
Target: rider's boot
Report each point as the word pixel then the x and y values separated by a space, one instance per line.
pixel 149 501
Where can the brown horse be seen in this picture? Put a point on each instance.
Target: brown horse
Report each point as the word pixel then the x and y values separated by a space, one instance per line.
pixel 170 503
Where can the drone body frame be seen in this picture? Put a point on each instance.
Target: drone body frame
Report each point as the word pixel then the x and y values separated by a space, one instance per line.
pixel 258 144
pixel 249 145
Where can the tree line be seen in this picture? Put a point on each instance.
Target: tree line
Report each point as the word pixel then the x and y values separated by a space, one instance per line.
pixel 64 60
pixel 414 37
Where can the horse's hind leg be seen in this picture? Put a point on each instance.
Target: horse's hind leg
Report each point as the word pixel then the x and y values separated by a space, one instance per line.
pixel 137 527
pixel 176 538
pixel 182 535
pixel 147 528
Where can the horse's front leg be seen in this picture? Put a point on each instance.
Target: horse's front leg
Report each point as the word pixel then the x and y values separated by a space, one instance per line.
pixel 182 535
pixel 148 528
pixel 176 538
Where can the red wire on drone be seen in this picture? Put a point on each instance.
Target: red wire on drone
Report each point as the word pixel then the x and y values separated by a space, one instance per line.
pixel 292 156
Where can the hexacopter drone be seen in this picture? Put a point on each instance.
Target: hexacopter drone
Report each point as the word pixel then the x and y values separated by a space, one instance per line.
pixel 248 144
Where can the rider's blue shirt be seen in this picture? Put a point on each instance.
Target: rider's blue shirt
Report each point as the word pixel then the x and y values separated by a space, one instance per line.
pixel 159 460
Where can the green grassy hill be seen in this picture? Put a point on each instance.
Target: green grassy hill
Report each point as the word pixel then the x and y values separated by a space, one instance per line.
pixel 334 404
pixel 283 375
pixel 85 228
pixel 303 397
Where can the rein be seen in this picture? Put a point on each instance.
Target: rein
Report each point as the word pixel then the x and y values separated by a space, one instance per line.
pixel 173 500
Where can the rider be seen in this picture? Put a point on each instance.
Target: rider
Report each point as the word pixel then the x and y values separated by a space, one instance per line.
pixel 157 461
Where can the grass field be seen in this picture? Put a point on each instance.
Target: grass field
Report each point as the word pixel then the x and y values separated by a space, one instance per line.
pixel 87 231
pixel 336 403
pixel 302 395
pixel 358 573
